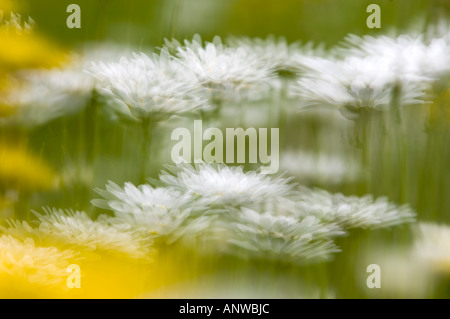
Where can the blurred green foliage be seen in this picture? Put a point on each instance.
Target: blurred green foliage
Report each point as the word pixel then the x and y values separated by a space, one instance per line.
pixel 147 22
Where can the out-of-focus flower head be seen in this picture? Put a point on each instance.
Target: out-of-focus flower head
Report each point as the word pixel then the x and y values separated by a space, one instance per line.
pixel 22 48
pixel 225 185
pixel 9 5
pixel 149 87
pixel 24 265
pixel 43 95
pixel 77 231
pixel 166 214
pixel 356 83
pixel 432 245
pixel 230 73
pixel 276 53
pixel 138 200
pixel 350 211
pixel 408 56
pixel 272 236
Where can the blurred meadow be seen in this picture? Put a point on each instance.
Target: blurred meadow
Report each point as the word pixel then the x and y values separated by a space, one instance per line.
pixel 87 175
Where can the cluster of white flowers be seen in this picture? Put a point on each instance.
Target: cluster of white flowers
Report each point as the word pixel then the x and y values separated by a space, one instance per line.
pixel 266 216
pixel 371 72
pixel 363 73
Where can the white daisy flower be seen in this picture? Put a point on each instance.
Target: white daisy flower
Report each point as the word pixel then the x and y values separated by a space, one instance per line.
pixel 355 83
pixel 432 245
pixel 144 87
pixel 409 56
pixel 44 95
pixel 78 230
pixel 281 56
pixel 161 212
pixel 351 211
pixel 139 200
pixel 229 72
pixel 310 167
pixel 36 265
pixel 284 237
pixel 224 185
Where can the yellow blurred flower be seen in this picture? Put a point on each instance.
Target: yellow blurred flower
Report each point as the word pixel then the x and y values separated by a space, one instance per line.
pixel 8 5
pixel 22 51
pixel 21 170
pixel 29 271
pixel 21 48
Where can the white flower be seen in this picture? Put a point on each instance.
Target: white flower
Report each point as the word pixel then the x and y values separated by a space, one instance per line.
pixel 161 212
pixel 224 185
pixel 432 245
pixel 45 95
pixel 228 71
pixel 355 83
pixel 284 237
pixel 276 53
pixel 409 56
pixel 139 200
pixel 322 168
pixel 351 211
pixel 144 87
pixel 78 230
pixel 37 265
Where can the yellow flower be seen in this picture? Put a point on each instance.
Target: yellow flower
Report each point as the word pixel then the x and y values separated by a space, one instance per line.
pixel 22 48
pixel 8 5
pixel 29 271
pixel 21 170
pixel 19 51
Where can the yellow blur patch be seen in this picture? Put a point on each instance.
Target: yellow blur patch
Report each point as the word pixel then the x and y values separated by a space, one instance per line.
pixel 22 51
pixel 8 5
pixel 20 170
